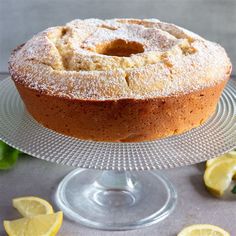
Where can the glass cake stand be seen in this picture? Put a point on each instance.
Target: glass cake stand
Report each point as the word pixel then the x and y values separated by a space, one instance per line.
pixel 109 190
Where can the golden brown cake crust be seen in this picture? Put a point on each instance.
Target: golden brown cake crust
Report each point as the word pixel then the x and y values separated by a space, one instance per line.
pixel 122 80
pixel 124 120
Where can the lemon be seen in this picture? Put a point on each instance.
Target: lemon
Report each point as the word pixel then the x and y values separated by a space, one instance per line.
pixel 219 174
pixel 41 225
pixel 32 206
pixel 203 230
pixel 226 156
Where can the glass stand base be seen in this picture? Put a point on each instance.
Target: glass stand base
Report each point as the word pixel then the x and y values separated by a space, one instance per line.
pixel 112 200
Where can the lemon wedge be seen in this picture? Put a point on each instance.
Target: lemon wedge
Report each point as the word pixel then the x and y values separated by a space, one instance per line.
pixel 41 225
pixel 203 230
pixel 226 156
pixel 32 206
pixel 219 175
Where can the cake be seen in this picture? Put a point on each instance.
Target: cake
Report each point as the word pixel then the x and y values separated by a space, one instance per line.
pixel 119 80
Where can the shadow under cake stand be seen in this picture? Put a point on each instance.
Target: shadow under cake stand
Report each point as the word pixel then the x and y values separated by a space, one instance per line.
pixel 115 186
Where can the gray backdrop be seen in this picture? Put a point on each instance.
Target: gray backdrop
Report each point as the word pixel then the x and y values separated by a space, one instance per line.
pixel 20 19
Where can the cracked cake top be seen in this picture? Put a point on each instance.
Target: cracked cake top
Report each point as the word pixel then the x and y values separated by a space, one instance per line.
pixel 116 59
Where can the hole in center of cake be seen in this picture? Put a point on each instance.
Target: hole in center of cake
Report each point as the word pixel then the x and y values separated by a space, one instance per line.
pixel 120 48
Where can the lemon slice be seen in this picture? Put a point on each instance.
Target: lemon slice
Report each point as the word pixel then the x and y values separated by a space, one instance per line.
pixel 228 155
pixel 219 175
pixel 203 230
pixel 41 225
pixel 32 206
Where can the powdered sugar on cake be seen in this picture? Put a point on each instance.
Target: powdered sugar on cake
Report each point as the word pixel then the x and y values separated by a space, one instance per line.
pixel 76 61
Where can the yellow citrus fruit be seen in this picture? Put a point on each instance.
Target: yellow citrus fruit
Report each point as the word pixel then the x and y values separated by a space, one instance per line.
pixel 203 230
pixel 32 206
pixel 41 225
pixel 219 174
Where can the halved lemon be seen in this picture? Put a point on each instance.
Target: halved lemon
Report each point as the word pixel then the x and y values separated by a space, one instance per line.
pixel 203 230
pixel 219 175
pixel 41 225
pixel 32 206
pixel 231 154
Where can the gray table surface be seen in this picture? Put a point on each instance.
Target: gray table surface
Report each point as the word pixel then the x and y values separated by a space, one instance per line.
pixel 195 205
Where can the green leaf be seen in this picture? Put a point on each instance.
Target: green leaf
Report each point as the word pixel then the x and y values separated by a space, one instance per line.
pixel 234 190
pixel 8 156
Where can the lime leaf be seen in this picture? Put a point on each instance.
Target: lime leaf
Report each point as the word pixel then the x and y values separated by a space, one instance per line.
pixel 8 156
pixel 234 190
